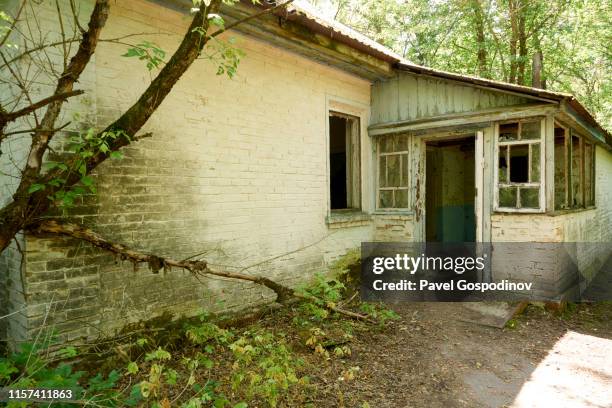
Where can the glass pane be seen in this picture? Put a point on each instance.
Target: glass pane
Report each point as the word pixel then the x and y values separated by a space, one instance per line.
pixel 530 197
pixel 588 173
pixel 393 170
pixel 382 175
pixel 576 173
pixel 519 163
pixel 386 144
pixel 385 199
pixel 401 198
pixel 404 181
pixel 560 169
pixel 530 130
pixel 503 164
pixel 401 144
pixel 535 163
pixel 508 131
pixel 507 197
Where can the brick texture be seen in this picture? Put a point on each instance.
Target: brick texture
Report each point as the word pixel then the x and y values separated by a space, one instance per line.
pixel 235 172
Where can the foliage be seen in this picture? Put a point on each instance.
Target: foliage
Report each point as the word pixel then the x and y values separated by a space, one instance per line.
pixel 497 39
pixel 264 365
pixel 149 52
pixel 323 291
pixel 81 147
pixel 378 312
pixel 33 367
pixel 5 23
pixel 213 366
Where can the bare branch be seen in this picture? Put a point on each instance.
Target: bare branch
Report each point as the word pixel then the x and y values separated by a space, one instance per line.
pixel 65 84
pixel 156 263
pixel 37 105
pixel 13 23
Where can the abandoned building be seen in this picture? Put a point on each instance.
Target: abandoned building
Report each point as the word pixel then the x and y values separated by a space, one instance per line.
pixel 323 139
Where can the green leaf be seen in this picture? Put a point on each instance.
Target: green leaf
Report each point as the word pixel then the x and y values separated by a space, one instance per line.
pixel 56 182
pixel 36 187
pixel 132 368
pixel 217 20
pixel 159 354
pixel 116 155
pixel 241 405
pixel 68 352
pixel 87 180
pixel 132 52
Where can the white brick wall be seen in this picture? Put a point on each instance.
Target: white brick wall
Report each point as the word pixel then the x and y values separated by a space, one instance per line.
pixel 236 170
pixel 589 228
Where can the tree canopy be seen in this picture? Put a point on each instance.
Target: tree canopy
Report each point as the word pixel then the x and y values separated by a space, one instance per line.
pixel 498 39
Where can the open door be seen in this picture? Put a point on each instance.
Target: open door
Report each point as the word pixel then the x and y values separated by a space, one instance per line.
pixel 450 189
pixel 479 178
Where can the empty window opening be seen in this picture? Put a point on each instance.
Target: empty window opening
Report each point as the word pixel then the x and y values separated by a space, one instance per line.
pixel 519 163
pixel 561 169
pixel 577 172
pixel 574 170
pixel 344 179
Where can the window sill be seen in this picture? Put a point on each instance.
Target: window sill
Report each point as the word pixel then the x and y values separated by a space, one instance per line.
pixel 548 213
pixel 347 218
pixel 392 213
pixel 570 211
pixel 523 211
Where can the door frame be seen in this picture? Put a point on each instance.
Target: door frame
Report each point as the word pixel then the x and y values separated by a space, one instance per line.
pixel 479 177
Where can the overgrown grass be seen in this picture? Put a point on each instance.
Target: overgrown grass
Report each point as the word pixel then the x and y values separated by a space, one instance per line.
pixel 206 365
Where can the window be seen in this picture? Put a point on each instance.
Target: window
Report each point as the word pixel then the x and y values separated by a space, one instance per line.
pixel 574 170
pixel 519 173
pixel 344 162
pixel 392 172
pixel 561 169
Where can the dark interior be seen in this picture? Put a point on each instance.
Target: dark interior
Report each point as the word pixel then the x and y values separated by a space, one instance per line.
pixel 337 162
pixel 450 190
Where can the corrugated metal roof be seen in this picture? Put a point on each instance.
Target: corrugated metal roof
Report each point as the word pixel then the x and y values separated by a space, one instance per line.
pixel 308 15
pixel 341 31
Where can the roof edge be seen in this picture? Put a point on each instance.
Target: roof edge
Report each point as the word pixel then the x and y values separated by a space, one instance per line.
pixel 505 86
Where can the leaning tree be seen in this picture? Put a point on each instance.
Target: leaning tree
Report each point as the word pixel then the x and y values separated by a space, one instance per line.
pixel 45 186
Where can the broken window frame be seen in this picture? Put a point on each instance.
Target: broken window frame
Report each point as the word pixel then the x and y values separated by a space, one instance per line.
pixel 587 202
pixel 353 162
pixel 403 173
pixel 541 185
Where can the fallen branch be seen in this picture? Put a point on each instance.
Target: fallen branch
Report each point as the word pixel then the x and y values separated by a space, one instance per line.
pixel 197 267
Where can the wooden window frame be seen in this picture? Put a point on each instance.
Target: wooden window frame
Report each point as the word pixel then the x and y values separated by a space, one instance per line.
pixel 399 153
pixel 569 169
pixel 540 184
pixel 353 161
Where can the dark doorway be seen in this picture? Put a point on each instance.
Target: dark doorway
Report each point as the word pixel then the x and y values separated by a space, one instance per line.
pixel 337 162
pixel 450 190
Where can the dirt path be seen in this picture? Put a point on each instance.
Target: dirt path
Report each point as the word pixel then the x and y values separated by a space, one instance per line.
pixel 430 358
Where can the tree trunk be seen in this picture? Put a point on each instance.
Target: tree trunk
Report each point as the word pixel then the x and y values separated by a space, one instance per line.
pixel 479 27
pixel 522 41
pixel 536 70
pixel 14 216
pixel 513 40
pixel 25 207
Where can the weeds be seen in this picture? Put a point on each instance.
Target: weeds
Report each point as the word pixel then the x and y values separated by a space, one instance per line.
pixel 210 366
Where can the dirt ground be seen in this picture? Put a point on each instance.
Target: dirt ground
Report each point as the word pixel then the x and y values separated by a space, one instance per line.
pixel 430 358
